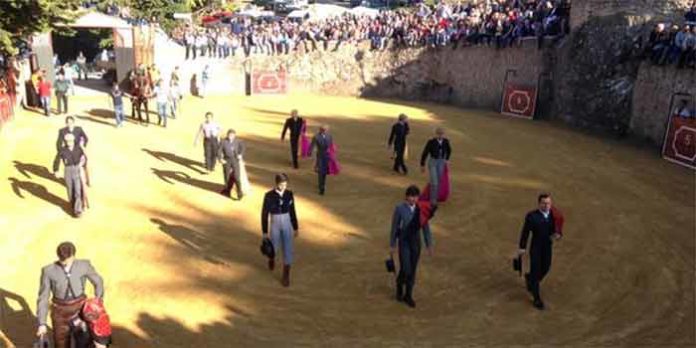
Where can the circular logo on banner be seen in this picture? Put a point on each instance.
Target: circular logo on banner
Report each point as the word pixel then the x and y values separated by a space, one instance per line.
pixel 684 144
pixel 269 83
pixel 519 102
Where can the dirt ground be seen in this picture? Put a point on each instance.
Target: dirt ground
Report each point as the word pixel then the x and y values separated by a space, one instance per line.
pixel 182 266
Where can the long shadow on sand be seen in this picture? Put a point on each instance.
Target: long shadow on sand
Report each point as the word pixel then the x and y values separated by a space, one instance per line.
pixel 183 161
pixel 169 176
pixel 17 321
pixel 37 190
pixel 29 169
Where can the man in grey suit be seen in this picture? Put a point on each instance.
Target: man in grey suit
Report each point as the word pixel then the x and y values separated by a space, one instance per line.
pixel 65 279
pixel 231 151
pixel 322 141
pixel 407 223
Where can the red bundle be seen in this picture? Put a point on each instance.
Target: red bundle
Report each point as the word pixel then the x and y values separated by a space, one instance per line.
pixel 94 313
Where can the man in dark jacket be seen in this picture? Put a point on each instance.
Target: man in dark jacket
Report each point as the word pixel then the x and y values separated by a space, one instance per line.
pixel 407 222
pixel 438 150
pixel 541 224
pixel 398 135
pixel 294 124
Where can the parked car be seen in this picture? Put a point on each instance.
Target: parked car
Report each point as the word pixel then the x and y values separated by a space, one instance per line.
pixel 287 6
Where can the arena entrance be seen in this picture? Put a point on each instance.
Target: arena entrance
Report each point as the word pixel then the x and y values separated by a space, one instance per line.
pixel 131 46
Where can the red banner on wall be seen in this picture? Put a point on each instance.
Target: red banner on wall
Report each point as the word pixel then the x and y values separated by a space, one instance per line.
pixel 519 100
pixel 269 82
pixel 680 141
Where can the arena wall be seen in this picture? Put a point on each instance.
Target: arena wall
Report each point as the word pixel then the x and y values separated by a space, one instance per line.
pixel 582 10
pixel 652 94
pixel 595 78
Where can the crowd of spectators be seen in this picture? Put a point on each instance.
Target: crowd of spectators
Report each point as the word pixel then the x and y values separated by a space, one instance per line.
pixel 501 23
pixel 675 45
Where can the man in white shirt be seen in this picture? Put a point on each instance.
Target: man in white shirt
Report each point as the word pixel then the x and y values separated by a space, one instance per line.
pixel 210 131
pixel 162 97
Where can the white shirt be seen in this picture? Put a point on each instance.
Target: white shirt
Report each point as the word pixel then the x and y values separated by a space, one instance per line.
pixel 210 129
pixel 412 207
pixel 546 214
pixel 162 94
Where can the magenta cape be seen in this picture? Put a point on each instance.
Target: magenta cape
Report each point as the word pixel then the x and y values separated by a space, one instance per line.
pixel 444 188
pixel 334 166
pixel 305 143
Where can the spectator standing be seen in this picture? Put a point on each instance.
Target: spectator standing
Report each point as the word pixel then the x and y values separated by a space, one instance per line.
pixel 69 72
pixel 82 66
pixel 162 96
pixel 205 76
pixel 44 90
pixel 174 91
pixel 62 87
pixel 117 103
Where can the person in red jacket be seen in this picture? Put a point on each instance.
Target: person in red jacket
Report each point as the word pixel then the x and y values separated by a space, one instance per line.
pixel 44 88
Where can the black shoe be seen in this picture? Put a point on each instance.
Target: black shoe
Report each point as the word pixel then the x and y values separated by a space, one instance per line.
pixel 321 192
pixel 410 302
pixel 399 293
pixel 538 304
pixel 526 280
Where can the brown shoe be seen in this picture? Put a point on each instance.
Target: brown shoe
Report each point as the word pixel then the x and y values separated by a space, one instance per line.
pixel 286 276
pixel 271 264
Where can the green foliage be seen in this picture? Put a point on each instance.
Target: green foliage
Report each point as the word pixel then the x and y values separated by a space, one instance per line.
pixel 19 19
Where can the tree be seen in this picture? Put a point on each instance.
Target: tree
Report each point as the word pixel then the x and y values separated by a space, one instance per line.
pixel 21 19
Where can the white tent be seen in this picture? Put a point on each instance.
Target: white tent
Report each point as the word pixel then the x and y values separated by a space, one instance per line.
pixel 318 12
pixel 364 11
pixel 298 14
pixel 255 13
pixel 99 20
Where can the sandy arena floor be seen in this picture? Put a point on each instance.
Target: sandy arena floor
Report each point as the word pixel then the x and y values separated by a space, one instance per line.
pixel 182 266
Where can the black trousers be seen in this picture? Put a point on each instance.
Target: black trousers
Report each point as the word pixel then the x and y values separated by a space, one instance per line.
pixel 294 146
pixel 540 264
pixel 62 102
pixel 399 164
pixel 210 148
pixel 138 104
pixel 409 254
pixel 322 181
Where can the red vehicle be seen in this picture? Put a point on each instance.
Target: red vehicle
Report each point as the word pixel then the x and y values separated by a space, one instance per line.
pixel 217 18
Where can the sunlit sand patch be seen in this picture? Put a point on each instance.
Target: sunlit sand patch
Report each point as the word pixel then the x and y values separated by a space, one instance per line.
pixel 491 161
pixel 502 181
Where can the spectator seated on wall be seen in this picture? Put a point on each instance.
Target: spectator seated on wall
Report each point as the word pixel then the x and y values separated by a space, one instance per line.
pixel 690 16
pixel 683 110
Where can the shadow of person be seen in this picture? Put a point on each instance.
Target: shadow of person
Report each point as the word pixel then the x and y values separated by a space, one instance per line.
pixel 105 115
pixel 26 169
pixel 169 175
pixel 192 240
pixel 96 120
pixel 39 191
pixel 17 322
pixel 183 161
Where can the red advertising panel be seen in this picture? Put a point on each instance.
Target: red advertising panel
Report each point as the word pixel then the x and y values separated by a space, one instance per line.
pixel 268 82
pixel 519 100
pixel 680 140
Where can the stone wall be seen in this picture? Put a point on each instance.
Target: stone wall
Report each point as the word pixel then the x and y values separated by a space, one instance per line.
pixel 582 10
pixel 652 94
pixel 596 76
pixel 471 77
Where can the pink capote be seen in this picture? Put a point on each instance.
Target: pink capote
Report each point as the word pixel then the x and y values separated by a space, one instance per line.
pixel 444 188
pixel 334 166
pixel 305 143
